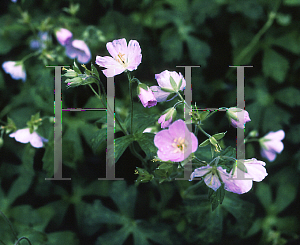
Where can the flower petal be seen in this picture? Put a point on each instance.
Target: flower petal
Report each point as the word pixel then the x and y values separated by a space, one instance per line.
pixel 160 95
pixel 270 155
pixel 212 181
pixel 63 36
pixel 22 135
pixel 134 55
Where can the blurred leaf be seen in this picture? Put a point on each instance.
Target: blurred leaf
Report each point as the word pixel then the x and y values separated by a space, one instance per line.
pixel 242 211
pixel 293 134
pixel 31 217
pixel 170 41
pixel 256 226
pixel 264 194
pixel 275 65
pixel 289 96
pixel 126 201
pixel 274 117
pixel 204 9
pixel 113 237
pixel 63 237
pixel 199 50
pixel 250 8
pixel 286 194
pixel 213 230
pixel 291 2
pixel 2 83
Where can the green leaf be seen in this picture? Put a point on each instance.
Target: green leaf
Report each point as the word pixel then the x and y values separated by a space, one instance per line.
pixel 141 121
pixel 264 194
pixel 63 237
pixel 275 65
pixel 219 136
pixel 173 83
pixel 126 201
pixel 170 41
pixel 242 211
pixel 289 96
pixel 144 176
pixel 279 117
pixel 167 90
pixel 293 135
pixel 291 2
pixel 250 8
pixel 216 197
pixel 204 143
pixel 76 68
pixel 199 50
pixel 146 142
pixel 95 71
pixel 113 237
pixel 286 194
pixel 203 115
pixel 98 138
pixel 121 144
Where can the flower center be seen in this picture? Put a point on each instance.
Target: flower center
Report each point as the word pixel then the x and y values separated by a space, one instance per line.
pixel 120 58
pixel 179 145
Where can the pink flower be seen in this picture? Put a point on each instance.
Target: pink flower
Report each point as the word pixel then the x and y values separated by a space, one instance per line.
pixel 63 36
pixel 78 49
pixel 123 57
pixel 164 82
pixel 24 136
pixel 271 144
pixel 237 181
pixel 146 96
pixel 214 176
pixel 238 117
pixel 176 143
pixel 74 48
pixel 243 179
pixel 15 69
pixel 167 117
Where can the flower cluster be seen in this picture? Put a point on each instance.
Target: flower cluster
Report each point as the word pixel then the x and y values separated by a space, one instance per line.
pixel 74 48
pixel 175 143
pixel 239 180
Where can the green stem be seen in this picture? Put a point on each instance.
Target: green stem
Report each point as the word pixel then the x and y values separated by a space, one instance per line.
pixel 251 140
pixel 116 116
pixel 29 56
pixel 131 147
pixel 257 37
pixel 131 101
pixel 182 99
pixel 202 130
pixel 21 238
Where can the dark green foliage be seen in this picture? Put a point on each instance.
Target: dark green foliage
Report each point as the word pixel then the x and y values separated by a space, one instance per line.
pixel 149 207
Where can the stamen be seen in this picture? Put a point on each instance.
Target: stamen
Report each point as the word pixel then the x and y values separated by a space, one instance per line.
pixel 121 58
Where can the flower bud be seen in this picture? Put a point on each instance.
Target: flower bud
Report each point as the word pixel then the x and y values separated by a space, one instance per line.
pixel 71 73
pixel 238 117
pixel 146 95
pixel 167 118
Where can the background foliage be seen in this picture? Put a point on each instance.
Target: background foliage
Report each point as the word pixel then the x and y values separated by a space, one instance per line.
pixel 212 33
